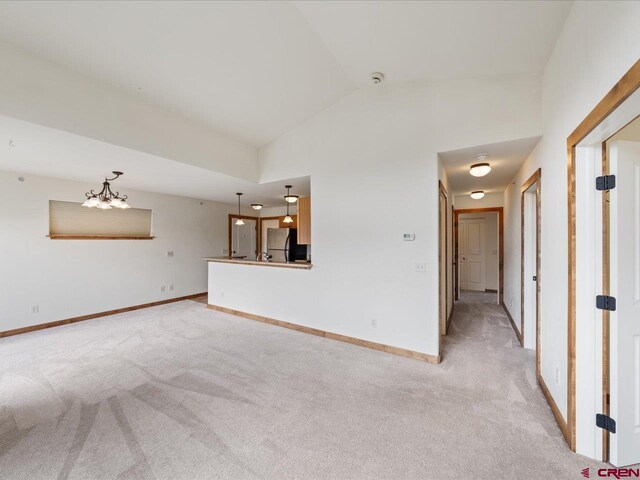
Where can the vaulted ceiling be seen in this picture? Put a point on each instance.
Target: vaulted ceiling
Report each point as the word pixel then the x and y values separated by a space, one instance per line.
pixel 254 70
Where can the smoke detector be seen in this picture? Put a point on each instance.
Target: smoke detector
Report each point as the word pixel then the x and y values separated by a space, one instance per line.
pixel 377 77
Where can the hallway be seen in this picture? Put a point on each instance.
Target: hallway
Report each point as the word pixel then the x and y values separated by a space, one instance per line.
pixel 182 391
pixel 483 355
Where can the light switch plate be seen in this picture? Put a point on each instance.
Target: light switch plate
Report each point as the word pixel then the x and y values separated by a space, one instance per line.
pixel 408 237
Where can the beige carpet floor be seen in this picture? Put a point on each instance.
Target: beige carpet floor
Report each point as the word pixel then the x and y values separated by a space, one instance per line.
pixel 182 392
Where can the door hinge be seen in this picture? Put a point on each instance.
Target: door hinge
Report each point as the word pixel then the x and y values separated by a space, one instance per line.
pixel 606 423
pixel 606 182
pixel 604 302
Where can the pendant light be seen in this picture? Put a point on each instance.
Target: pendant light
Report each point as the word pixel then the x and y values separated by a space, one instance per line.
pixel 477 195
pixel 287 198
pixel 239 220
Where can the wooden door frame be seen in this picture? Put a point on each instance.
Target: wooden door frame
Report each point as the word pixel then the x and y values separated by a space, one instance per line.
pixel 442 193
pixel 536 178
pixel 230 227
pixel 606 277
pixel 454 272
pixel 626 86
pixel 500 211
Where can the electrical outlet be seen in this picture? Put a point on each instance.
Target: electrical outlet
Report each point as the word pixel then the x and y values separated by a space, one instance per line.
pixel 163 288
pixel 169 253
pixel 35 309
pixel 221 294
pixel 225 251
pixel 171 288
pixel 374 323
pixel 421 267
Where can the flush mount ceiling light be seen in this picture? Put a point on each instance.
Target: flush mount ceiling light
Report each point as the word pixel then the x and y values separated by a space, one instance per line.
pixel 256 206
pixel 239 221
pixel 477 195
pixel 288 197
pixel 480 169
pixel 106 199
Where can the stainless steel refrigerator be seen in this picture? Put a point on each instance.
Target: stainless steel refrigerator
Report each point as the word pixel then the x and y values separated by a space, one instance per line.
pixel 281 244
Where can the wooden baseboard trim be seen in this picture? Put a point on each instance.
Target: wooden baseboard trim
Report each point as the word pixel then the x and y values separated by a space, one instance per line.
pixel 513 324
pixel 490 290
pixel 425 357
pixel 82 318
pixel 554 408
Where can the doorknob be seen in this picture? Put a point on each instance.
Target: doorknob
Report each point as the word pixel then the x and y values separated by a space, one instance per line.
pixel 535 278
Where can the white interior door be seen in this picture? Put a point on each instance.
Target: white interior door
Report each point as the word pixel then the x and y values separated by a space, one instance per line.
pixel 530 268
pixel 472 254
pixel 243 238
pixel 462 254
pixel 625 287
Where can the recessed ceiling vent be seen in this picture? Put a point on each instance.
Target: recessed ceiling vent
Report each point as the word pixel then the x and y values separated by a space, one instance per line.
pixel 377 77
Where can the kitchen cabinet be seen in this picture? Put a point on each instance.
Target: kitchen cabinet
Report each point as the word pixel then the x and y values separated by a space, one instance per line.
pixel 289 225
pixel 304 221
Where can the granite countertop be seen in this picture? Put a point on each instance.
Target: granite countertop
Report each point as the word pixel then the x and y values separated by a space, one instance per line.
pixel 247 261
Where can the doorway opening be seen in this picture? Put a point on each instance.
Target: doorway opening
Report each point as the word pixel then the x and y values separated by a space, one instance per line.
pixel 442 261
pixel 243 239
pixel 530 263
pixel 604 278
pixel 479 251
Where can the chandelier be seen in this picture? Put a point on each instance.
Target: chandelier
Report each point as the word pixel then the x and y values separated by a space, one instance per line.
pixel 106 199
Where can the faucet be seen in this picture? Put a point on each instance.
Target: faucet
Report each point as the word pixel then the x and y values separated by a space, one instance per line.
pixel 265 256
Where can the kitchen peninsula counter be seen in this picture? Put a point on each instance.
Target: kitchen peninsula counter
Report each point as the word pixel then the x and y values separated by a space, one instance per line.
pixel 243 261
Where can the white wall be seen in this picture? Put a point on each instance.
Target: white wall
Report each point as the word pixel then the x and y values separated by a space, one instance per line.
pixel 373 160
pixel 489 200
pixel 70 278
pixel 512 246
pixel 491 245
pixel 599 43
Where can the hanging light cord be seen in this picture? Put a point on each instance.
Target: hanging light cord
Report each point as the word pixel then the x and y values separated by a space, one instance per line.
pixel 288 202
